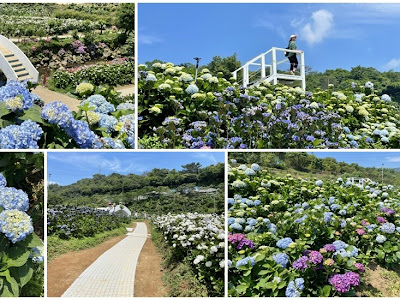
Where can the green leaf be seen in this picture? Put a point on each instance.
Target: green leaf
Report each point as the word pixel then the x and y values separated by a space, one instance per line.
pixel 10 285
pixel 241 289
pixel 3 109
pixel 23 274
pixel 381 254
pixel 17 256
pixel 326 290
pixel 31 241
pixel 34 114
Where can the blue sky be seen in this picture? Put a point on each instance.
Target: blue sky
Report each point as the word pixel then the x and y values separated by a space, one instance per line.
pixel 365 159
pixel 332 35
pixel 68 167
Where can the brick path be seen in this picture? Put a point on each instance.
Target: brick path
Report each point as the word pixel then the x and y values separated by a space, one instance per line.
pixel 113 273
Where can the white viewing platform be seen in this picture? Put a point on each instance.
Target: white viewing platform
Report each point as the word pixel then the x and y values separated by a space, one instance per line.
pixel 264 67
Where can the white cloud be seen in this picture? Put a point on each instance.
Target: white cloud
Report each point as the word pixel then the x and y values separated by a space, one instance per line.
pixel 394 159
pixel 84 161
pixel 322 24
pixel 392 64
pixel 148 39
pixel 208 156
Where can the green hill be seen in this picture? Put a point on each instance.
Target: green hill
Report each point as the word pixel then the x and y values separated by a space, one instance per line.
pixel 193 189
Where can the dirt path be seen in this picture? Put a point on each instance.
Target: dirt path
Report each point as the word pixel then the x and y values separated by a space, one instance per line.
pixel 51 96
pixel 148 282
pixel 65 269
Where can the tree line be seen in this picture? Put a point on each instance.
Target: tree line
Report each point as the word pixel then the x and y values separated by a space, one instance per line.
pixel 309 163
pixel 100 189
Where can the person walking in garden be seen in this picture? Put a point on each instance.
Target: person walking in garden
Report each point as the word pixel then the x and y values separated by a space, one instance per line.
pixel 292 56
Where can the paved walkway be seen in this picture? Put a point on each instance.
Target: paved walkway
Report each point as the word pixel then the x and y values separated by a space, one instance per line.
pixel 126 89
pixel 51 96
pixel 113 273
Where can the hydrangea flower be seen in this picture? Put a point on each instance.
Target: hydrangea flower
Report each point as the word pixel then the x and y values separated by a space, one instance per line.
pixel 249 172
pixel 388 228
pixel 315 257
pixel 281 259
pixel 123 106
pixel 381 238
pixel 99 104
pixel 24 136
pixel 37 255
pixel 295 287
pixel 108 122
pixel 245 261
pixel 15 89
pixel 319 183
pixel 284 243
pixel 15 224
pixel 3 181
pixel 360 267
pixel 301 263
pixel 255 167
pixel 192 89
pixel 12 198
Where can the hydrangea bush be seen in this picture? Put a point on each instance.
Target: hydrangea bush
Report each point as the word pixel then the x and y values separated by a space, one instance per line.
pixel 295 237
pixel 68 222
pixel 175 111
pixel 24 123
pixel 20 247
pixel 198 239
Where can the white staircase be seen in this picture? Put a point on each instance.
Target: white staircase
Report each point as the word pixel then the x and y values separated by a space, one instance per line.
pixel 14 63
pixel 264 67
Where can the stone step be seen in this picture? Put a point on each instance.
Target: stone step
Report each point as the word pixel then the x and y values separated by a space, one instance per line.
pixel 24 77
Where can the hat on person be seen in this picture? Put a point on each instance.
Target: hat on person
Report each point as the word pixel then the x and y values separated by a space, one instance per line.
pixel 293 35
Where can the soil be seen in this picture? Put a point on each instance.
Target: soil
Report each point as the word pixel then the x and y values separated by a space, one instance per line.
pixel 126 89
pixel 149 272
pixel 65 269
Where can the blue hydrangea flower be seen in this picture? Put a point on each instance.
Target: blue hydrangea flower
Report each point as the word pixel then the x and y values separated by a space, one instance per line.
pixel 257 202
pixel 57 113
pixel 108 122
pixel 192 89
pixel 24 136
pixel 124 106
pixel 318 183
pixel 3 181
pixel 231 220
pixel 15 88
pixel 284 243
pixel 110 143
pixel 236 226
pixel 328 217
pixel 151 77
pixel 272 228
pixel 37 255
pixel 388 228
pixel 342 212
pixel 245 261
pixel 295 287
pixel 99 104
pixel 281 259
pixel 81 133
pixel 381 238
pixel 15 224
pixel 11 198
pixel 255 167
pixel 249 172
pixel 343 223
pixel 339 245
pixel 335 206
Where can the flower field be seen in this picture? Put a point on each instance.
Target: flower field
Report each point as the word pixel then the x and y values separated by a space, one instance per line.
pixel 174 111
pixel 78 222
pixel 199 240
pixel 21 250
pixel 118 72
pixel 26 123
pixel 304 237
